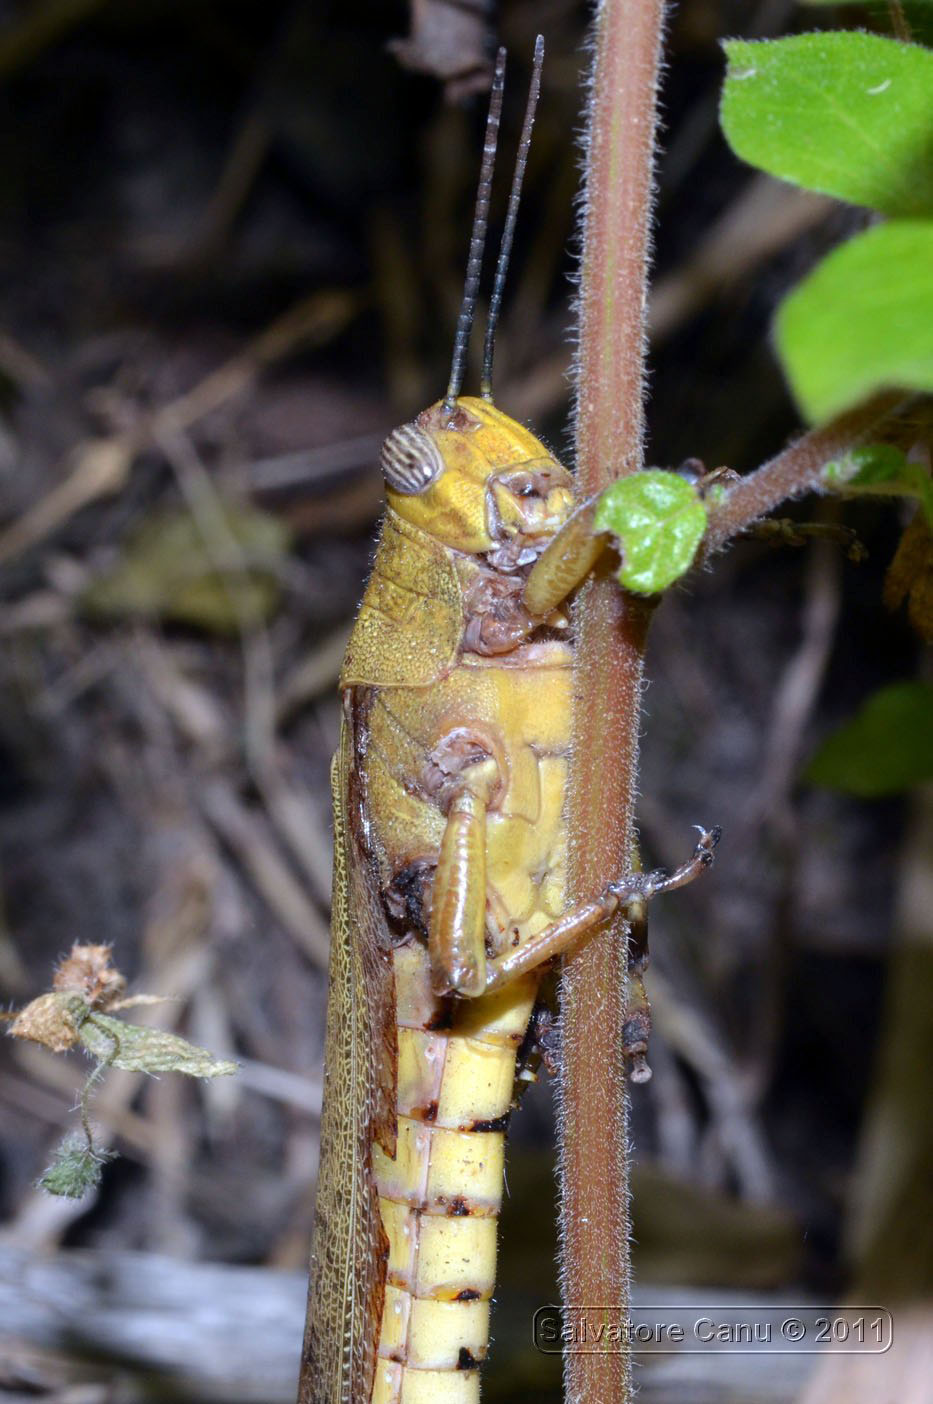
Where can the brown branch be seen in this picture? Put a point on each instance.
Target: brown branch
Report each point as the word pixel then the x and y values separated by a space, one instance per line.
pixel 795 471
pixel 100 467
pixel 610 632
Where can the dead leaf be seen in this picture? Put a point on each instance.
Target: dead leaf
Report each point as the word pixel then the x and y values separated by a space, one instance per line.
pixel 910 576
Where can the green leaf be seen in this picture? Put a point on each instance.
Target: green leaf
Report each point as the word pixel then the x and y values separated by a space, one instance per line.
pixel 847 114
pixel 862 321
pixel 865 464
pixel 886 747
pixel 75 1169
pixel 883 471
pixel 658 519
pixel 137 1049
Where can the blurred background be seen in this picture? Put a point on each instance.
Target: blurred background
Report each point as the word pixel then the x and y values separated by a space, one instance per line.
pixel 232 242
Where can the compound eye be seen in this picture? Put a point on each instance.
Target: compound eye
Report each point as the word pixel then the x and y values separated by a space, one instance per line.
pixel 410 460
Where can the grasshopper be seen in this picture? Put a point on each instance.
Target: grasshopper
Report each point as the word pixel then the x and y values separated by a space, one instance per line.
pixel 449 874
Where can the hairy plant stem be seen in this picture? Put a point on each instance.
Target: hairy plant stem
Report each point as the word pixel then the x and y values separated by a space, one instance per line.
pixel 84 1104
pixel 795 471
pixel 610 633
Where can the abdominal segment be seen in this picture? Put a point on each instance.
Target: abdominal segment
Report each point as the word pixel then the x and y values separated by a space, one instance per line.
pixel 440 1195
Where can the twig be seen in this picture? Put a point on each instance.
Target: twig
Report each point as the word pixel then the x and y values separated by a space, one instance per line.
pixel 730 1096
pixel 282 1085
pixel 316 673
pixel 245 834
pixel 314 320
pixel 287 807
pixel 610 633
pixel 148 1326
pixel 763 219
pixel 899 22
pixel 797 692
pixel 193 709
pixel 22 367
pixel 101 467
pixel 227 557
pixel 795 471
pixel 241 169
pixel 299 470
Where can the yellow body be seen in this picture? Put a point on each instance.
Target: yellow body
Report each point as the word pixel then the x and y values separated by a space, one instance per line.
pixel 440 1195
pixel 449 896
pixel 417 1095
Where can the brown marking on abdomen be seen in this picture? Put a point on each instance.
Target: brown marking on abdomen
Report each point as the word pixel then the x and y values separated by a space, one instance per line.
pixel 497 1123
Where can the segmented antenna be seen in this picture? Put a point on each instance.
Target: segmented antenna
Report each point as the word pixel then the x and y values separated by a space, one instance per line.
pixel 508 233
pixel 478 237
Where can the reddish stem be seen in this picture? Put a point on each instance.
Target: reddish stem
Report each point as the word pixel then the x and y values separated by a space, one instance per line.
pixel 610 632
pixel 796 470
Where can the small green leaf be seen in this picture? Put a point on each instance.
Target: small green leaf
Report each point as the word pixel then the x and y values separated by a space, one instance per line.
pixel 883 471
pixel 75 1169
pixel 862 321
pixel 658 520
pixel 865 464
pixel 885 748
pixel 137 1049
pixel 847 114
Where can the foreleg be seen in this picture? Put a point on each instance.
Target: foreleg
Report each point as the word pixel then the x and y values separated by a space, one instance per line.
pixel 565 562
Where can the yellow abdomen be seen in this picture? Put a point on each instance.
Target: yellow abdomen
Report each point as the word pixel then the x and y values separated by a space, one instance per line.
pixel 440 1195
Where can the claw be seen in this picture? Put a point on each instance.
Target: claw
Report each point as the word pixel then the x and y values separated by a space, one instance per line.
pixel 632 894
pixel 705 848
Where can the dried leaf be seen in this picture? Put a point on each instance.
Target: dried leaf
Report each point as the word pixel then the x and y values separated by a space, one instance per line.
pixel 166 572
pixel 53 1020
pixel 450 40
pixel 88 971
pixel 910 576
pixel 138 1049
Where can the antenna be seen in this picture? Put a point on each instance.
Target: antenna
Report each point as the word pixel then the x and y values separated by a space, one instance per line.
pixel 508 233
pixel 478 236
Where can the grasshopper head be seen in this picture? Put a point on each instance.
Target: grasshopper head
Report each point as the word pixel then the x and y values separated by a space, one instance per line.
pixel 477 481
